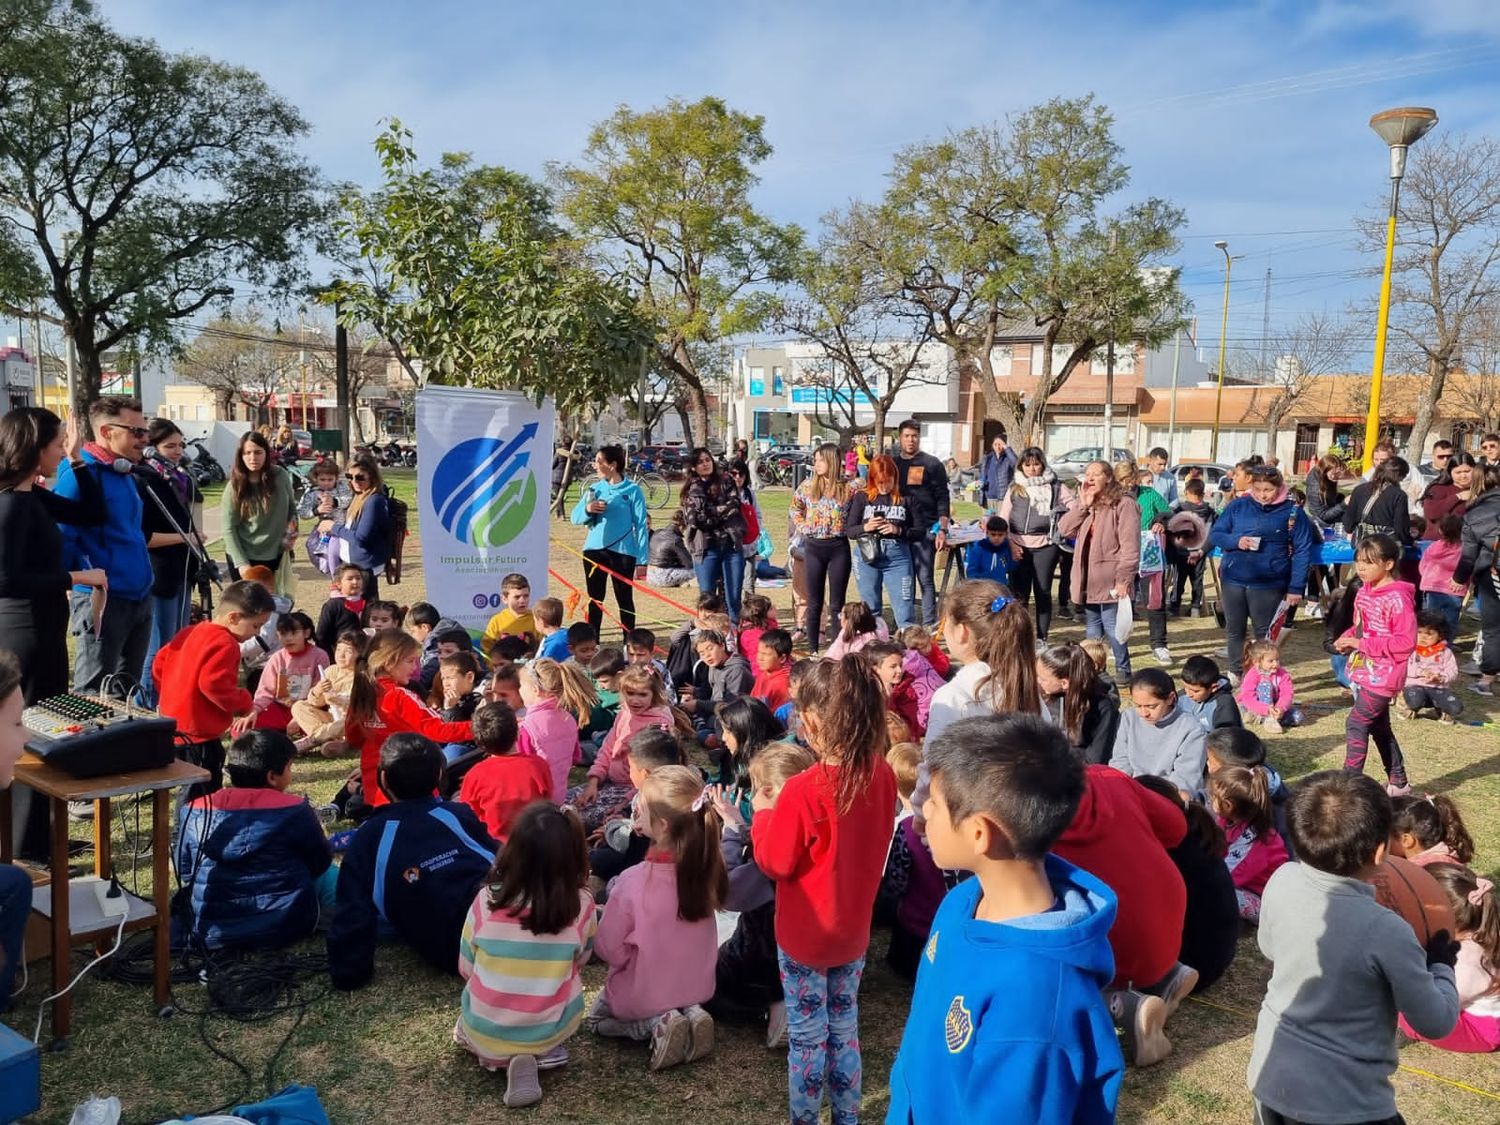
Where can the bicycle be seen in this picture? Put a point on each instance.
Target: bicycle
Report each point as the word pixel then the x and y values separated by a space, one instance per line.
pixel 657 489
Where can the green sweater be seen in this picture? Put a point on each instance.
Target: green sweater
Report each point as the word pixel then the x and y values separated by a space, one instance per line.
pixel 259 535
pixel 1152 504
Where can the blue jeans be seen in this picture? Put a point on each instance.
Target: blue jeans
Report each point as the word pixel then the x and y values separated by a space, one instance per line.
pixel 822 1018
pixel 1099 621
pixel 891 571
pixel 1339 663
pixel 168 616
pixel 15 908
pixel 1448 606
pixel 923 558
pixel 726 564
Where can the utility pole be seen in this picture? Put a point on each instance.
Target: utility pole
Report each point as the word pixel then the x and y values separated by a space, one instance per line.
pixel 645 428
pixel 1265 327
pixel 1107 450
pixel 41 371
pixel 1172 416
pixel 341 378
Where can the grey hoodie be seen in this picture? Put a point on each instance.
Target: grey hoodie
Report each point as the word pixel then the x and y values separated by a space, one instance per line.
pixel 1173 748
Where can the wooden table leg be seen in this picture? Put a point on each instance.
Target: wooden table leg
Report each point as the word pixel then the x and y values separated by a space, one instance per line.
pixel 102 866
pixel 62 1007
pixel 161 894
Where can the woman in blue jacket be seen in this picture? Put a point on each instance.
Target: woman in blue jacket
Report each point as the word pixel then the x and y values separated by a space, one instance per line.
pixel 1268 544
pixel 367 527
pixel 614 509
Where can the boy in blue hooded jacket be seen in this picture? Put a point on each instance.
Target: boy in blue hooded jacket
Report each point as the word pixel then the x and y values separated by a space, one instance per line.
pixel 1008 1021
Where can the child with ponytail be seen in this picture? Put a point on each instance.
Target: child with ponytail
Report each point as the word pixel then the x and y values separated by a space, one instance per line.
pixel 823 840
pixel 558 698
pixel 1241 803
pixel 1476 917
pixel 658 934
pixel 643 705
pixel 1077 700
pixel 525 940
pixel 1429 830
pixel 380 705
pixel 991 635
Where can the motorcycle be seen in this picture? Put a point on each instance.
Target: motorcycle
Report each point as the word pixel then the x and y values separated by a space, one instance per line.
pixel 204 468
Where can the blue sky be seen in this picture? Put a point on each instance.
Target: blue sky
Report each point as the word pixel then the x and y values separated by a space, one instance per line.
pixel 1252 116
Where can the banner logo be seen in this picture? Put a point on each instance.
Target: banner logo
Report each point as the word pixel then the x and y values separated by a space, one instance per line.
pixel 483 489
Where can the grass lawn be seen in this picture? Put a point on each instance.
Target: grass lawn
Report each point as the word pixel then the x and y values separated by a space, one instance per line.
pixel 385 1054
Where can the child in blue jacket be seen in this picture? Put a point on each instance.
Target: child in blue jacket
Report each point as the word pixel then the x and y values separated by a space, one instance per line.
pixel 991 556
pixel 1008 1020
pixel 253 857
pixel 415 866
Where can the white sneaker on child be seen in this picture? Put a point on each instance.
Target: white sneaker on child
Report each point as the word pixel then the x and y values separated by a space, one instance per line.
pixel 669 1041
pixel 522 1086
pixel 700 1033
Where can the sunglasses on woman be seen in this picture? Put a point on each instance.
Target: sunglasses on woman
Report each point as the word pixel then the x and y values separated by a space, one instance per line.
pixel 358 477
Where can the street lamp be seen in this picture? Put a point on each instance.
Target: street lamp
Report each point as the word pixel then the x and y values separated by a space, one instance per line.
pixel 1213 448
pixel 1399 128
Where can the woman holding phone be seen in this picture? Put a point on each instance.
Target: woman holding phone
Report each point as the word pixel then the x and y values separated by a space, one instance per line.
pixel 1268 546
pixel 618 543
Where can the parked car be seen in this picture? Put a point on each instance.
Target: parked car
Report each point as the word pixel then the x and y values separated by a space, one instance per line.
pixel 1213 473
pixel 1070 465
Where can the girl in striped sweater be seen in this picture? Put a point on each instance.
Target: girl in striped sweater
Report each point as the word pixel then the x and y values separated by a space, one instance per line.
pixel 528 933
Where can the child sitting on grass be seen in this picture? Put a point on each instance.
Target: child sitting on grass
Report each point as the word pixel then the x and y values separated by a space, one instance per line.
pixel 414 865
pixel 1236 746
pixel 619 843
pixel 1431 671
pixel 858 627
pixel 1430 830
pixel 341 612
pixel 1266 692
pixel 526 937
pixel 558 699
pixel 548 614
pixel 455 694
pixel 1343 967
pixel 643 705
pixel 657 933
pixel 1207 695
pixel 514 618
pixel 503 783
pixel 917 638
pixel 999 1016
pixel 289 673
pixel 320 716
pixel 252 856
pixel 912 886
pixel 773 668
pixel 1241 801
pixel 1476 916
pixel 1156 737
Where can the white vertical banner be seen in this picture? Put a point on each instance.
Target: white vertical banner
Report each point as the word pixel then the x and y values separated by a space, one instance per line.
pixel 484 472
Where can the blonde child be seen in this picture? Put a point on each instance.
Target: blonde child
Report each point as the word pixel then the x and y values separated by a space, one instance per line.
pixel 858 626
pixel 1266 693
pixel 525 939
pixel 658 934
pixel 289 673
pixel 643 705
pixel 991 635
pixel 1379 643
pixel 514 618
pixel 1240 799
pixel 1476 916
pixel 380 705
pixel 917 639
pixel 1430 671
pixel 1429 830
pixel 823 840
pixel 321 715
pixel 558 698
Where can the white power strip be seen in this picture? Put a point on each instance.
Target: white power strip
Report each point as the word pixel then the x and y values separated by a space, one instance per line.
pixel 110 905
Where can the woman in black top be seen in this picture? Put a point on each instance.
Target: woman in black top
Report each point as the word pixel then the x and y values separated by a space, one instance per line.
pixel 34 575
pixel 1380 505
pixel 173 565
pixel 878 521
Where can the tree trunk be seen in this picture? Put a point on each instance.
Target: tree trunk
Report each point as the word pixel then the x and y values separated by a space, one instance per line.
pixel 696 415
pixel 1437 376
pixel 877 424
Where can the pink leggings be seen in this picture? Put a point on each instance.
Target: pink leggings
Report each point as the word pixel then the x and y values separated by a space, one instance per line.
pixel 1474 1035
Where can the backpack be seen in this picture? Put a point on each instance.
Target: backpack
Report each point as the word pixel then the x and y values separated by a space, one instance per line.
pixel 400 527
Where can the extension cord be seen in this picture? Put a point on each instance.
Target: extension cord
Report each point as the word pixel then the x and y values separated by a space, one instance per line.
pixel 108 894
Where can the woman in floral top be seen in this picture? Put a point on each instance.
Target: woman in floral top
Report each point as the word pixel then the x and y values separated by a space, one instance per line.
pixel 715 532
pixel 818 511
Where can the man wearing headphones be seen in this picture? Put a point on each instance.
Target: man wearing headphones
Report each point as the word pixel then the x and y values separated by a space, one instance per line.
pixel 118 547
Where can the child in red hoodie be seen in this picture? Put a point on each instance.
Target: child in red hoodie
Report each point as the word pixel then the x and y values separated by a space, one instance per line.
pixel 1121 834
pixel 824 842
pixel 380 705
pixel 504 782
pixel 198 682
pixel 773 668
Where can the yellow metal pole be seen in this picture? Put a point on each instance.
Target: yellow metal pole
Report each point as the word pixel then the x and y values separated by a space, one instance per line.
pixel 1377 369
pixel 1213 452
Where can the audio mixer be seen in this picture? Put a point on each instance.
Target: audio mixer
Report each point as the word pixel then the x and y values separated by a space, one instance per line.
pixel 88 735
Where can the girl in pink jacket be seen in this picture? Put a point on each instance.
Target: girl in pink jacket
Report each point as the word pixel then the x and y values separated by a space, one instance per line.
pixel 1240 797
pixel 658 935
pixel 558 698
pixel 1266 692
pixel 1379 643
pixel 643 705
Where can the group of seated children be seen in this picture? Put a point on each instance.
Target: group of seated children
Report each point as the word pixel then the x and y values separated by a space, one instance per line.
pixel 1141 838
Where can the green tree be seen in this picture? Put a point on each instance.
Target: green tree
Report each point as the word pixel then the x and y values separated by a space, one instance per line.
pixel 664 195
pixel 1000 227
pixel 138 181
pixel 463 272
pixel 238 359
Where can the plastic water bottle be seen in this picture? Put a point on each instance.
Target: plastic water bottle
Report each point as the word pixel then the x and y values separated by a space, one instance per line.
pixel 96 1111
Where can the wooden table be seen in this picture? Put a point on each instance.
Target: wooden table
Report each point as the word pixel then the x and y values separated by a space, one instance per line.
pixel 62 787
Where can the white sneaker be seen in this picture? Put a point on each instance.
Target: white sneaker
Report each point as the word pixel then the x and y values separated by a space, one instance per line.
pixel 1163 655
pixel 776 1026
pixel 1271 724
pixel 670 1039
pixel 1314 611
pixel 700 1033
pixel 522 1087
